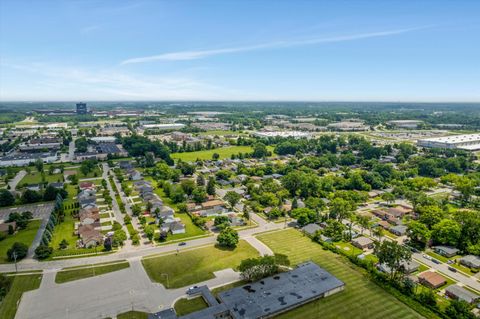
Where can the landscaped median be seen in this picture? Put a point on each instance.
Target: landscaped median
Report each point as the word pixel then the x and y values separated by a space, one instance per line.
pixel 193 266
pixel 19 285
pixel 80 272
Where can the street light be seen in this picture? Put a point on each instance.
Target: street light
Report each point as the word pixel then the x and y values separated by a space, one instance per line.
pixel 15 259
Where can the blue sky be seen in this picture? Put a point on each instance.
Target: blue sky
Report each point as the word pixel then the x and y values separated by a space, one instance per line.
pixel 240 50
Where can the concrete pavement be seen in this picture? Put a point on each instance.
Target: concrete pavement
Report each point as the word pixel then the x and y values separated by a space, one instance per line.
pixel 14 181
pixel 106 295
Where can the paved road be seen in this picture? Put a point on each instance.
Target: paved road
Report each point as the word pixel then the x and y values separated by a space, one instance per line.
pixel 129 253
pixel 106 295
pixel 14 181
pixel 442 267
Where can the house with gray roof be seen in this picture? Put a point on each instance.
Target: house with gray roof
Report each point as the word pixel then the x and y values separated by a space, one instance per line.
pixel 311 229
pixel 446 251
pixel 471 261
pixel 460 293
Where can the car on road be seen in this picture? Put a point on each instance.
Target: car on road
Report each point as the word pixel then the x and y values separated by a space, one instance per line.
pixel 436 261
pixel 426 256
pixel 182 244
pixel 452 269
pixel 191 288
pixel 449 262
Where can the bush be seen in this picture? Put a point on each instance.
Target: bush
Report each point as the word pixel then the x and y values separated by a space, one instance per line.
pixel 43 251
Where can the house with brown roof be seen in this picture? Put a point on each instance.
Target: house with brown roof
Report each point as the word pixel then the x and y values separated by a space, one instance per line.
pixel 89 236
pixel 212 204
pixel 362 242
pixel 89 215
pixel 86 185
pixel 431 279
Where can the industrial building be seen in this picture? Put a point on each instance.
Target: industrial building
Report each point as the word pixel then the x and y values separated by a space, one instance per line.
pixel 405 124
pixel 265 298
pixel 468 142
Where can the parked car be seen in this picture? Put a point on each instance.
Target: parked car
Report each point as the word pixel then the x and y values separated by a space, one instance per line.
pixel 452 269
pixel 436 261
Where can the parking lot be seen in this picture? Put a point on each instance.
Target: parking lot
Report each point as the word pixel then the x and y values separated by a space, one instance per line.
pixel 39 211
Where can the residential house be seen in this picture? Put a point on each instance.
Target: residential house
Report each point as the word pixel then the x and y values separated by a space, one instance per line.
pixel 89 216
pixel 446 251
pixel 407 266
pixel 399 230
pixel 460 293
pixel 89 236
pixel 86 186
pixel 471 261
pixel 431 279
pixel 363 242
pixel 311 229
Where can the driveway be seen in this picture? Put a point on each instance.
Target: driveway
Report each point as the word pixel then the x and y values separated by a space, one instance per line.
pixel 106 295
pixel 14 181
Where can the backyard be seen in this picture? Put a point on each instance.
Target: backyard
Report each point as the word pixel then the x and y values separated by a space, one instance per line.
pixel 361 297
pixel 25 236
pixel 194 266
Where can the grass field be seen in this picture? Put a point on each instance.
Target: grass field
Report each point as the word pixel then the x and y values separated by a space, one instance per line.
pixel 25 236
pixel 133 315
pixel 21 283
pixel 361 297
pixel 65 230
pixel 185 306
pixel 36 177
pixel 224 152
pixel 194 266
pixel 72 274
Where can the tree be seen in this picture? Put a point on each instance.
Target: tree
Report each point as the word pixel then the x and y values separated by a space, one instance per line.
pixel 215 156
pixel 232 198
pixel 188 186
pixel 459 309
pixel 260 150
pixel 393 255
pixel 6 198
pixel 149 232
pixel 304 215
pixel 334 230
pixel 221 222
pixel 446 232
pixel 136 210
pixel 149 159
pixel 364 222
pixel 211 186
pixel 18 251
pixel 31 196
pixel 200 180
pixel 39 165
pixel 63 244
pixel 43 251
pixel 418 232
pixel 228 238
pixel 107 243
pixel 254 269
pixel 427 297
pixel 388 197
pixel 199 195
pixel 119 237
pixel 73 179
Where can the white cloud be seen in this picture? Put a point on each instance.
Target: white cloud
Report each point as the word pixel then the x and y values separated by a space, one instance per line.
pixel 200 54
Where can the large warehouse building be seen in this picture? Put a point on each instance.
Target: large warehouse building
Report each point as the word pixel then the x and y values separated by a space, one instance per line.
pixel 468 142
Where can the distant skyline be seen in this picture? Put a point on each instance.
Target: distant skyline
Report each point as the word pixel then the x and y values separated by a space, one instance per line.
pixel 399 51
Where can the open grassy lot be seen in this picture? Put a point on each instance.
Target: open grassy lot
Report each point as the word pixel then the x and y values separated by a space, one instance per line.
pixel 21 283
pixel 25 236
pixel 361 297
pixel 193 266
pixel 36 177
pixel 185 306
pixel 224 152
pixel 71 274
pixel 133 315
pixel 65 230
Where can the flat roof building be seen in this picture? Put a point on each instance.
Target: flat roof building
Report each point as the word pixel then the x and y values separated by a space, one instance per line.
pixel 407 124
pixel 81 108
pixel 468 142
pixel 265 298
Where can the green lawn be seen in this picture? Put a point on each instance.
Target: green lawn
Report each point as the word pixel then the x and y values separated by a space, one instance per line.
pixel 361 297
pixel 21 283
pixel 25 236
pixel 224 152
pixel 36 177
pixel 65 230
pixel 185 306
pixel 72 274
pixel 193 266
pixel 133 315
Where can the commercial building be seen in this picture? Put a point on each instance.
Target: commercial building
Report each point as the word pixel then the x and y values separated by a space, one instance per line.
pixel 348 126
pixel 295 134
pixel 468 142
pixel 24 159
pixel 406 124
pixel 81 108
pixel 169 126
pixel 265 298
